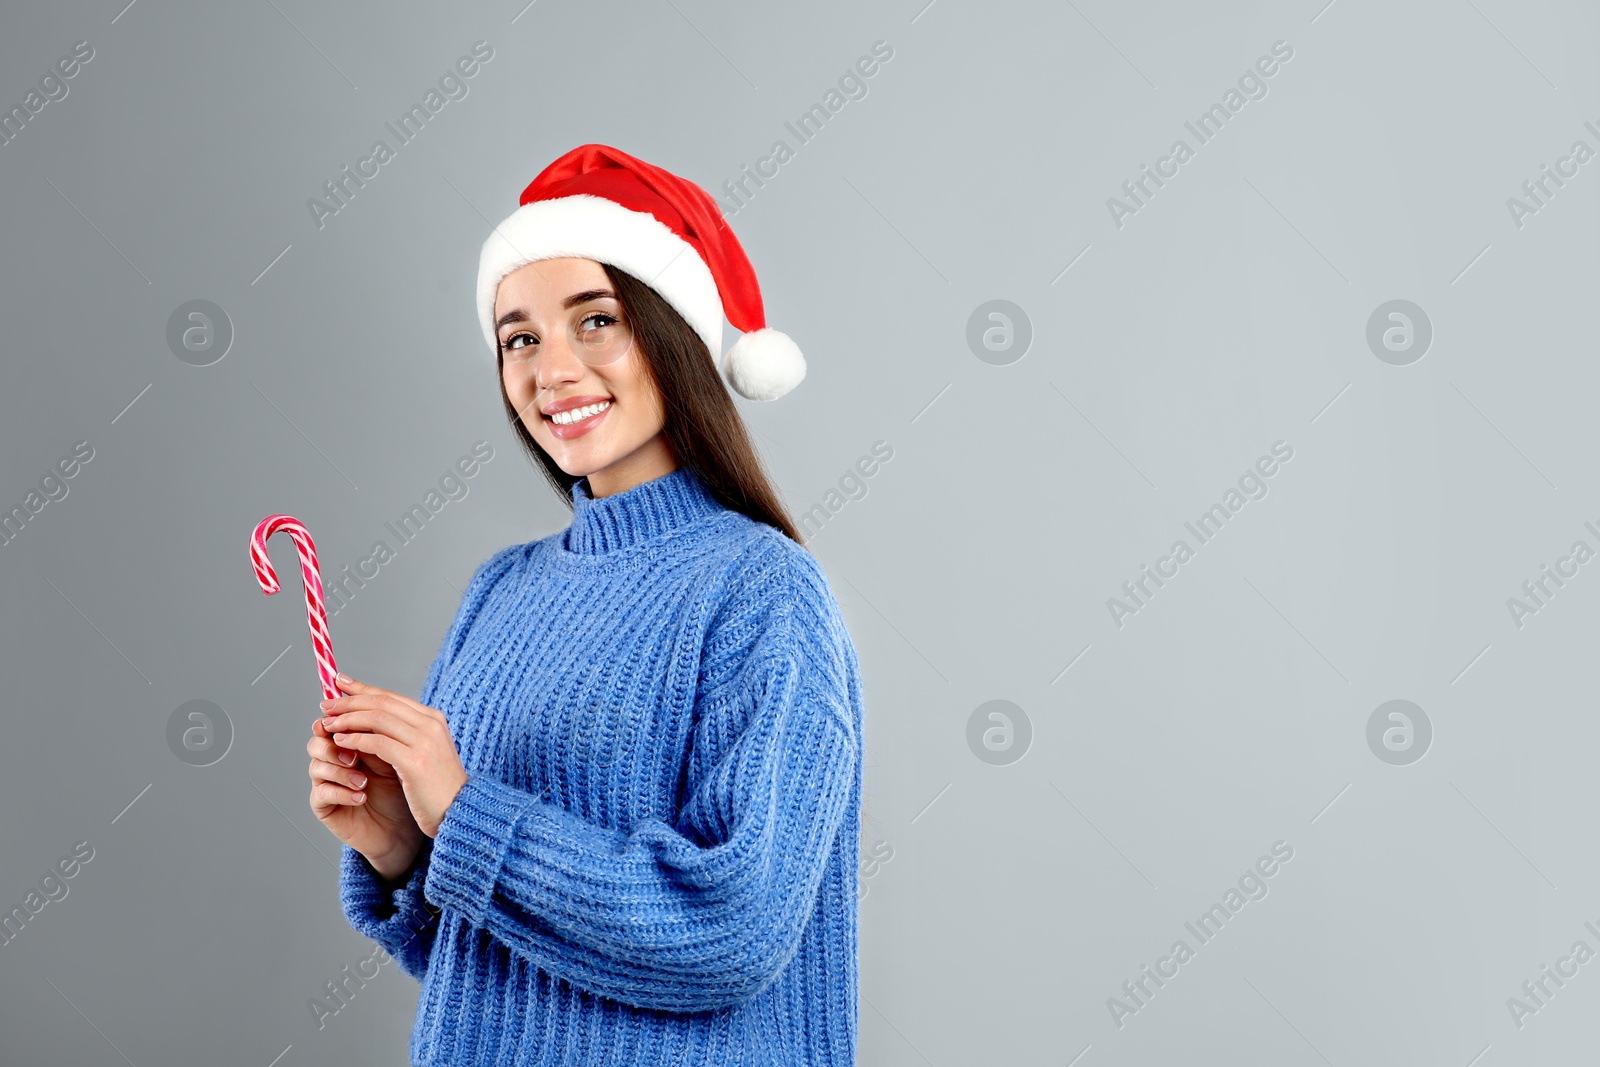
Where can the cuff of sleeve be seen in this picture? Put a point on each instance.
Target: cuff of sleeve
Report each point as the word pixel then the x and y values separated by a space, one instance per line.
pixel 370 906
pixel 471 846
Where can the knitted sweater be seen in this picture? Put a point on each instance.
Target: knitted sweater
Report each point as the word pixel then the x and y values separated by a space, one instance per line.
pixel 654 858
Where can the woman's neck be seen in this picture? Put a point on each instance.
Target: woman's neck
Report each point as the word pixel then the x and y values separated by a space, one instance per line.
pixel 649 461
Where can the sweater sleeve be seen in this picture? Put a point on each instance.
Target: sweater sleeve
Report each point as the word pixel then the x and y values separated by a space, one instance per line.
pixel 397 915
pixel 400 919
pixel 703 913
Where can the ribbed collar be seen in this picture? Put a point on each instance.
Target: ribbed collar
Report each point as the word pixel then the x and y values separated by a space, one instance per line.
pixel 642 513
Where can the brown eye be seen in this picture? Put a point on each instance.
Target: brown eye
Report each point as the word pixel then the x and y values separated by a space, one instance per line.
pixel 510 344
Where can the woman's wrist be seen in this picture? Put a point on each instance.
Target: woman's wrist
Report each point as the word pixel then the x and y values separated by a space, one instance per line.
pixel 393 866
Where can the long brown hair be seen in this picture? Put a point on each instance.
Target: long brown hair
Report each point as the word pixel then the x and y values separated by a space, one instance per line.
pixel 702 427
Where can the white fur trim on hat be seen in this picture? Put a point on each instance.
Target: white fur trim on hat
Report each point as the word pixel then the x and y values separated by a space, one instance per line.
pixel 592 227
pixel 764 364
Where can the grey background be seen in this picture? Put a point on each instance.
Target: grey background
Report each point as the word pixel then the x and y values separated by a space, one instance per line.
pixel 1165 756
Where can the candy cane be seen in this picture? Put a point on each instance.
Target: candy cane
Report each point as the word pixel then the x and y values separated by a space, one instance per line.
pixel 316 614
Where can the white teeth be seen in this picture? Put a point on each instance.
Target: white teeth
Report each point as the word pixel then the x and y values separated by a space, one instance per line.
pixel 567 418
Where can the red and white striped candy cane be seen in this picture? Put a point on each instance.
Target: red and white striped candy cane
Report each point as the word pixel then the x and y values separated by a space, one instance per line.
pixel 316 614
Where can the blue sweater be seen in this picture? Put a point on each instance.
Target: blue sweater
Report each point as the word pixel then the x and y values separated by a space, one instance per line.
pixel 654 860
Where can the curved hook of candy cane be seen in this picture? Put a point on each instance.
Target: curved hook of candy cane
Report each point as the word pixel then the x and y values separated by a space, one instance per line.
pixel 316 612
pixel 266 576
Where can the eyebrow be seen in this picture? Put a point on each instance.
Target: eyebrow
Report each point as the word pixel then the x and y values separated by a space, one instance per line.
pixel 519 315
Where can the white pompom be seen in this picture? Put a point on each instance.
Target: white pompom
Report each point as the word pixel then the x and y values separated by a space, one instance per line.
pixel 763 365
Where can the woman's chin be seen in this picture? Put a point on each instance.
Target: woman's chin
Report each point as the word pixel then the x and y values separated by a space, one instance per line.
pixel 576 458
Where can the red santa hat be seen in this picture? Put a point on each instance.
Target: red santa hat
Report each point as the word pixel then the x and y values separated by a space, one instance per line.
pixel 596 202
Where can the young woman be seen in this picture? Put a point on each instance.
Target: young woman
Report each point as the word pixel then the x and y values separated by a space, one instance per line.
pixel 620 825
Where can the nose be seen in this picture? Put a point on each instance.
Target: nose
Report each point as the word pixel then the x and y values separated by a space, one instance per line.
pixel 557 363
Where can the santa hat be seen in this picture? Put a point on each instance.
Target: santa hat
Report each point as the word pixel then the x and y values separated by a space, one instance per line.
pixel 596 202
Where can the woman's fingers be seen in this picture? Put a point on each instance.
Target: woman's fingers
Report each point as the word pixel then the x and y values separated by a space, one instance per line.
pixel 321 746
pixel 323 771
pixel 380 745
pixel 332 794
pixel 364 696
pixel 388 720
pixel 326 749
pixel 391 703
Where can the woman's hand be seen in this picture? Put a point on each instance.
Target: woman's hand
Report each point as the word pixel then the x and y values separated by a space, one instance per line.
pixel 411 738
pixel 362 803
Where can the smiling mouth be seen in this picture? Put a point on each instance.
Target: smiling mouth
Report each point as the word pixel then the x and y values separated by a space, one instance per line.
pixel 577 415
pixel 581 421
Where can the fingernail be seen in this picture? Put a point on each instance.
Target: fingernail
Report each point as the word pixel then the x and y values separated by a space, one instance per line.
pixel 359 779
pixel 347 758
pixel 329 720
pixel 325 705
pixel 360 797
pixel 344 677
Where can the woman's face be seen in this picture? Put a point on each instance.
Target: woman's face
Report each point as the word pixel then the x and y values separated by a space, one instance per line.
pixel 565 346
